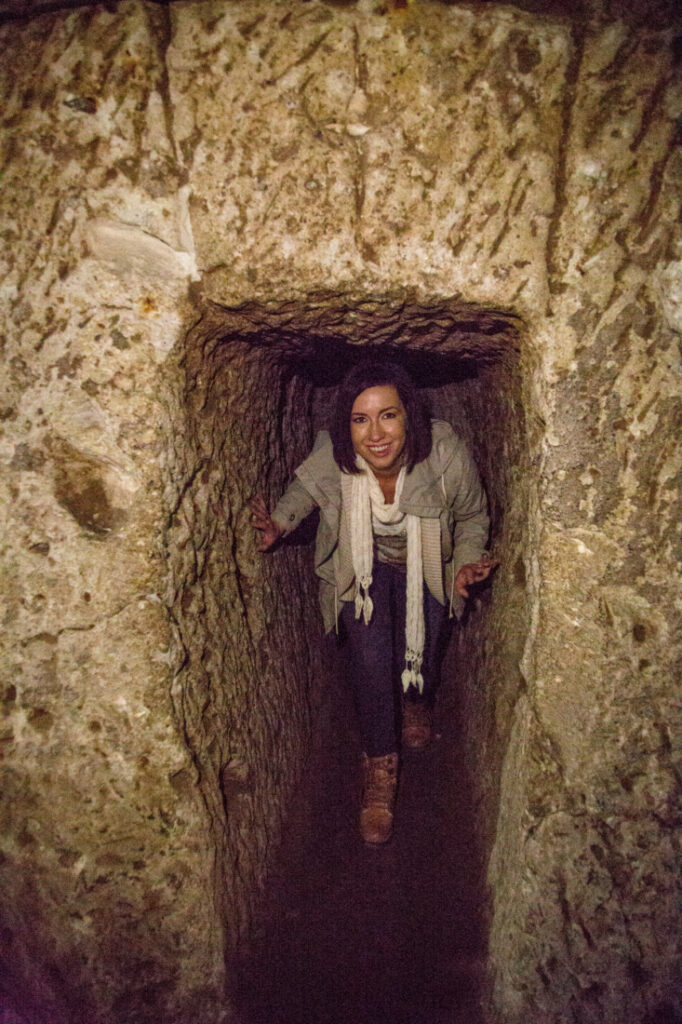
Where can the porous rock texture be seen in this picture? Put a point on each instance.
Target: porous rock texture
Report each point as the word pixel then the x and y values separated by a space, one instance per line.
pixel 205 207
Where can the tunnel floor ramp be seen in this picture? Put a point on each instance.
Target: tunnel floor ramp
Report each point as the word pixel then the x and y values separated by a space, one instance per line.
pixel 352 934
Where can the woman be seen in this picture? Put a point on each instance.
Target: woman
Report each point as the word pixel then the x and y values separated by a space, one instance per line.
pixel 403 528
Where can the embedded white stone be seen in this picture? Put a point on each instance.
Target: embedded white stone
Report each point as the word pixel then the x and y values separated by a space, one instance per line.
pixel 130 250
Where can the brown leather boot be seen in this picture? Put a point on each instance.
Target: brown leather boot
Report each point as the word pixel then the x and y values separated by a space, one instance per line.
pixel 380 781
pixel 417 725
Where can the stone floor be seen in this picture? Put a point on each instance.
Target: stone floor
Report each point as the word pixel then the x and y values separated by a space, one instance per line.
pixel 360 935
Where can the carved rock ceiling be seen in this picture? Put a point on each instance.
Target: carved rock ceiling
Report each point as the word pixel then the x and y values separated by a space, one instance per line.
pixel 654 10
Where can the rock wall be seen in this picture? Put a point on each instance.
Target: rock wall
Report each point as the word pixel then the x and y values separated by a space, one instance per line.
pixel 247 629
pixel 201 202
pixel 108 904
pixel 590 908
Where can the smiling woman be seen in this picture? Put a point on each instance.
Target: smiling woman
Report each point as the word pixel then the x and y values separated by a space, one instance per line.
pixel 403 526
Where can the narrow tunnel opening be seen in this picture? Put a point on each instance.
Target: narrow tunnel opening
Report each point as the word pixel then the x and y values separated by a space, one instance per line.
pixel 318 927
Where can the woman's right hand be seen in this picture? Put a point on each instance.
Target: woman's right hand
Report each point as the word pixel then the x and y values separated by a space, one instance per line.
pixel 474 572
pixel 268 530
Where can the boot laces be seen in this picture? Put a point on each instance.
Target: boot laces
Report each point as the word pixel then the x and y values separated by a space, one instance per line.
pixel 379 782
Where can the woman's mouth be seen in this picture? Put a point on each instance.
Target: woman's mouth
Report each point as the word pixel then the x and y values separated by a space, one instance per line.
pixel 379 450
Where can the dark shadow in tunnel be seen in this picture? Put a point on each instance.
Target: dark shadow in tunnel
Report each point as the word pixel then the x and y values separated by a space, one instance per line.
pixel 427 369
pixel 349 933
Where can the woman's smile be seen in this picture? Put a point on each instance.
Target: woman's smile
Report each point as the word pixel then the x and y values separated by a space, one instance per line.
pixel 378 429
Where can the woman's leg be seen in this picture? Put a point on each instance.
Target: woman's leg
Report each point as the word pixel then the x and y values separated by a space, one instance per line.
pixel 435 638
pixel 436 625
pixel 417 707
pixel 371 666
pixel 372 675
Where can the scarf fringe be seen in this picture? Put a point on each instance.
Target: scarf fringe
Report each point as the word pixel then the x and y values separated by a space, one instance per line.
pixel 364 605
pixel 412 675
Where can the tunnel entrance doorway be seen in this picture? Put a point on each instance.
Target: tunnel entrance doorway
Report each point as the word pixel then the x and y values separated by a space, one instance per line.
pixel 267 717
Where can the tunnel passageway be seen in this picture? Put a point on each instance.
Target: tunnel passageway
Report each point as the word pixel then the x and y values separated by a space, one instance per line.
pixel 356 935
pixel 323 928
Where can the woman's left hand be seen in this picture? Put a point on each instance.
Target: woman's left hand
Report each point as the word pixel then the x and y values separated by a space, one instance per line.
pixel 474 572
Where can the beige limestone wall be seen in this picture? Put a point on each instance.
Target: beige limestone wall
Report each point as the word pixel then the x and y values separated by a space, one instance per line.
pixel 108 904
pixel 370 148
pixel 585 924
pixel 590 906
pixel 324 168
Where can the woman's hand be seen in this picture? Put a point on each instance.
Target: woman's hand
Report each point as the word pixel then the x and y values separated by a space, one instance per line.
pixel 261 520
pixel 474 572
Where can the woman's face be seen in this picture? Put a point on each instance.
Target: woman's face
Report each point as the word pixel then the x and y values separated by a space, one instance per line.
pixel 378 429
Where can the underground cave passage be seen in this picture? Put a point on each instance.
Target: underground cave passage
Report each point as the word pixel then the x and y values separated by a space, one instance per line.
pixel 318 927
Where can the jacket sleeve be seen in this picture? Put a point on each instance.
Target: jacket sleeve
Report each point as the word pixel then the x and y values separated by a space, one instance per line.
pixel 469 507
pixel 293 507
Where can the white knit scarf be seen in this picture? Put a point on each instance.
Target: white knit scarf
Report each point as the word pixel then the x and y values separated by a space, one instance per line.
pixel 367 499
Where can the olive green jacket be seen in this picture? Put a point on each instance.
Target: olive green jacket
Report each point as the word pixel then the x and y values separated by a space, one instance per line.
pixel 444 491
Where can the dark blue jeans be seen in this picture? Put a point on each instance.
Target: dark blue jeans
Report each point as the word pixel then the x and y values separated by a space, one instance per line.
pixel 376 657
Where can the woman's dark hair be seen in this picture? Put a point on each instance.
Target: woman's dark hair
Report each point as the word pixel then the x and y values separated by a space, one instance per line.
pixel 369 375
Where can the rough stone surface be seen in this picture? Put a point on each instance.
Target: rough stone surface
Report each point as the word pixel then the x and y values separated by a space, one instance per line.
pixel 245 627
pixel 592 839
pixel 411 149
pixel 108 903
pixel 205 207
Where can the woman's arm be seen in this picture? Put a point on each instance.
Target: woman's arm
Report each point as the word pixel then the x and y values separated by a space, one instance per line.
pixel 291 509
pixel 471 563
